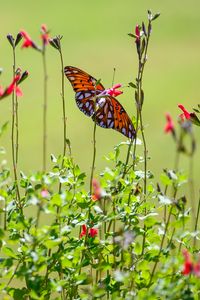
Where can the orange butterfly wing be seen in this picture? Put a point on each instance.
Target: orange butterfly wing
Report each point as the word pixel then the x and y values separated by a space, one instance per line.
pixel 111 114
pixel 108 113
pixel 85 87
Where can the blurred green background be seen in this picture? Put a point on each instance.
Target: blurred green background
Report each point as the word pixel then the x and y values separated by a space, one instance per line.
pixel 95 39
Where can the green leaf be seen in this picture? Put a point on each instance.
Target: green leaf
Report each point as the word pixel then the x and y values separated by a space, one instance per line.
pixel 9 252
pixel 131 84
pixel 3 128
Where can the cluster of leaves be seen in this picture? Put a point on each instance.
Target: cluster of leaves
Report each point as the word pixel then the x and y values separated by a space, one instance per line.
pixel 44 257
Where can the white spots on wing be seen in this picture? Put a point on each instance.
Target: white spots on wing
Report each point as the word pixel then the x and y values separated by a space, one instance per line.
pixel 71 78
pixel 87 95
pixel 79 96
pixel 109 115
pixel 87 104
pixel 80 105
pixel 112 124
pixel 102 124
pixel 109 122
pixel 130 135
pixel 130 126
pixel 67 72
pixel 124 131
pixel 101 101
pixel 74 71
pixel 101 117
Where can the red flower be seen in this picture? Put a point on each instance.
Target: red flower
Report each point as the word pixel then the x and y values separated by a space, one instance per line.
pixel 97 192
pixel 92 231
pixel 169 127
pixel 28 42
pixel 113 91
pixel 84 231
pixel 12 87
pixel 45 34
pixel 185 114
pixel 188 264
pixel 137 33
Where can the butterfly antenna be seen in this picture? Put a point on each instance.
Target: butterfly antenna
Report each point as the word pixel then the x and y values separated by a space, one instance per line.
pixel 113 79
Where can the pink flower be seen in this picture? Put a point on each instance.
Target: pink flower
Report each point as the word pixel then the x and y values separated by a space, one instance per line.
pixel 169 127
pixel 92 231
pixel 137 33
pixel 113 91
pixel 45 34
pixel 186 114
pixel 97 192
pixel 44 193
pixel 28 42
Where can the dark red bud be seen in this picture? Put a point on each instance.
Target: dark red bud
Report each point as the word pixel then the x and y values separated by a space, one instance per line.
pixel 25 74
pixel 11 40
pixel 18 38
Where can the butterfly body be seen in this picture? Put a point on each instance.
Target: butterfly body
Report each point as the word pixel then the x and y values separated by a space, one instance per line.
pixel 92 100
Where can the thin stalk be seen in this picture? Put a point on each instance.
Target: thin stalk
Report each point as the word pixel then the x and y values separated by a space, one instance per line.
pixel 63 111
pixel 44 109
pixel 63 104
pixel 191 188
pixel 13 137
pixel 17 130
pixel 94 156
pixel 161 247
pixel 196 222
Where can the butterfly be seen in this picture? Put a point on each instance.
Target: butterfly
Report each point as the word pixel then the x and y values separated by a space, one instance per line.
pixel 105 110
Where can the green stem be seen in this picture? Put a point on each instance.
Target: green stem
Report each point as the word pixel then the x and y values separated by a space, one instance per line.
pixel 44 109
pixel 161 247
pixel 196 222
pixel 18 203
pixel 94 156
pixel 63 104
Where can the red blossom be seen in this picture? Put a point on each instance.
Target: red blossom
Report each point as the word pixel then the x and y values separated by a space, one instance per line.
pixel 28 42
pixel 13 87
pixel 169 127
pixel 92 231
pixel 97 192
pixel 45 34
pixel 113 91
pixel 186 114
pixel 137 33
pixel 188 264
